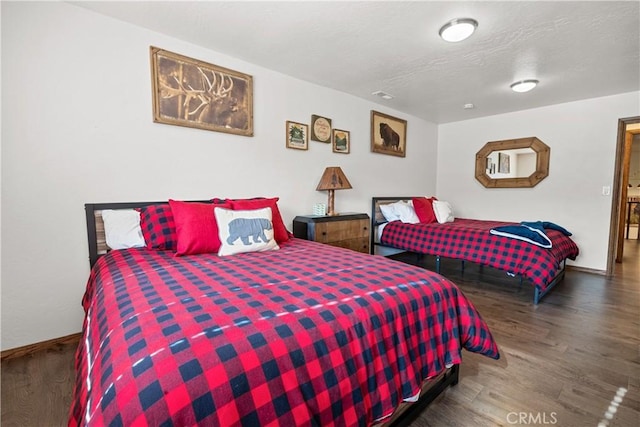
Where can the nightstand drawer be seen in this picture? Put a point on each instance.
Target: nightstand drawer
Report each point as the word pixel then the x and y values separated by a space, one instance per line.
pixel 360 245
pixel 327 232
pixel 349 230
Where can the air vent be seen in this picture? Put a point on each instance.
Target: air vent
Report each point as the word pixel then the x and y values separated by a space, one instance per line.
pixel 382 94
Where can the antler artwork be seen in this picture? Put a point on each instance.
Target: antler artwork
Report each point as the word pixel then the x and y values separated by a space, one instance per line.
pixel 213 88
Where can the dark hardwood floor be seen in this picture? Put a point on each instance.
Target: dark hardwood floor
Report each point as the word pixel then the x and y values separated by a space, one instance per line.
pixel 36 389
pixel 563 362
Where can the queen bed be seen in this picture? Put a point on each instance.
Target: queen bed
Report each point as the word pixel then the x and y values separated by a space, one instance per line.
pixel 307 334
pixel 471 240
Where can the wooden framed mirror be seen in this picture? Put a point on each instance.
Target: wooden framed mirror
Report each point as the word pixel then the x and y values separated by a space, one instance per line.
pixel 513 163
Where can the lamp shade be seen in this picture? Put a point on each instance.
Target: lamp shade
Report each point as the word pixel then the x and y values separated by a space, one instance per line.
pixel 333 179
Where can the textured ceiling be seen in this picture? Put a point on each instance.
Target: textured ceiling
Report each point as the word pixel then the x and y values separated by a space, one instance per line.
pixel 577 50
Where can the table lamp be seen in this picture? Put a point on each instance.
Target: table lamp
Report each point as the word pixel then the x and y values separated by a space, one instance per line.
pixel 333 179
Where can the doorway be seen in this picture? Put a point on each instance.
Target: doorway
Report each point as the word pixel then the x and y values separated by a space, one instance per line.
pixel 627 128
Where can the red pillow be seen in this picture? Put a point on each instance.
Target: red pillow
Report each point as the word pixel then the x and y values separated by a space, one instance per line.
pixel 424 209
pixel 279 230
pixel 219 201
pixel 196 227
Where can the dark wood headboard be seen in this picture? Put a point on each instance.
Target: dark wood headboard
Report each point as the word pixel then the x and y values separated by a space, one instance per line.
pixel 377 218
pixel 95 225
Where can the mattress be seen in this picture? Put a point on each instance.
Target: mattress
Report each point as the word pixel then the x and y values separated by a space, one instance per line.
pixel 470 240
pixel 306 335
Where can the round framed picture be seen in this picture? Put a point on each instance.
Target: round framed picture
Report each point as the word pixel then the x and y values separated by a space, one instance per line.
pixel 320 129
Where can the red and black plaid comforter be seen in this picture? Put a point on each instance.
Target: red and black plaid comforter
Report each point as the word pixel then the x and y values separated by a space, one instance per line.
pixel 306 335
pixel 470 240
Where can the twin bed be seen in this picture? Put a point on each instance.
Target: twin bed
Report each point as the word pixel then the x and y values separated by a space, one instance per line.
pixel 471 240
pixel 308 334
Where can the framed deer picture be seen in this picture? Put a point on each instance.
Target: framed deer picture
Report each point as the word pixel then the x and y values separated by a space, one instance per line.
pixel 192 93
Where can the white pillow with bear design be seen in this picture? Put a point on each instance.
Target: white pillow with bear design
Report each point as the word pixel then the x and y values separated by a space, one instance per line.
pixel 245 231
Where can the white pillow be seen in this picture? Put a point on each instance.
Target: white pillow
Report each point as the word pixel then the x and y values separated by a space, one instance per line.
pixel 400 210
pixel 388 212
pixel 443 211
pixel 122 228
pixel 245 231
pixel 406 212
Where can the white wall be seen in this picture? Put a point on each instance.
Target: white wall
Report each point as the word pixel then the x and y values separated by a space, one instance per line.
pixel 78 128
pixel 582 137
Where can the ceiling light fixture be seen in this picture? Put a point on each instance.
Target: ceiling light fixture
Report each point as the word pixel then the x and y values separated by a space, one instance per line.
pixel 458 29
pixel 382 94
pixel 524 85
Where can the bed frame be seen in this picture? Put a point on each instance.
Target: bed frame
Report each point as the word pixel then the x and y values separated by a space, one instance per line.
pixel 378 219
pixel 406 412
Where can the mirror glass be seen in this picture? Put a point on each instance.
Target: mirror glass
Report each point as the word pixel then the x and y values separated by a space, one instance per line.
pixel 514 163
pixel 518 163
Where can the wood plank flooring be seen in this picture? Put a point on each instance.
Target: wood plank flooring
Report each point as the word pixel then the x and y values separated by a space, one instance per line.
pixel 562 363
pixel 36 389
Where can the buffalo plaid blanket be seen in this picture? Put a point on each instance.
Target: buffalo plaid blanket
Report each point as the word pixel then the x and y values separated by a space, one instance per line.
pixel 470 240
pixel 306 335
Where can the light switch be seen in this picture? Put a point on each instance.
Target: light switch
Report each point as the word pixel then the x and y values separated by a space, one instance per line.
pixel 606 190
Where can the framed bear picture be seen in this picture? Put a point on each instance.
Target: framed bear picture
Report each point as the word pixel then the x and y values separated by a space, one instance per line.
pixel 388 134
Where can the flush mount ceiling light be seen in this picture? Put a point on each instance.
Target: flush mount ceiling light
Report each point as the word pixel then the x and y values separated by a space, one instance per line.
pixel 458 29
pixel 524 85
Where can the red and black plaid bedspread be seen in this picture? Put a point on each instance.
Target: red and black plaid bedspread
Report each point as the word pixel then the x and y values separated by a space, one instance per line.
pixel 470 240
pixel 305 335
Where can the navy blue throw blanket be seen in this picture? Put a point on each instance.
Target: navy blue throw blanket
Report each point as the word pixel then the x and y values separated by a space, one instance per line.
pixel 530 231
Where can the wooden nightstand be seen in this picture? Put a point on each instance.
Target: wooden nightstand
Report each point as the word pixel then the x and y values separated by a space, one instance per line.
pixel 348 230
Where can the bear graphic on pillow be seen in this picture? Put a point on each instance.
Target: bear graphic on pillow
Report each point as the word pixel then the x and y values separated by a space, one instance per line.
pixel 243 228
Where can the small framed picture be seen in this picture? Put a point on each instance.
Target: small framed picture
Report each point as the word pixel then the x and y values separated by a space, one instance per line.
pixel 341 141
pixel 297 135
pixel 320 129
